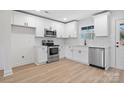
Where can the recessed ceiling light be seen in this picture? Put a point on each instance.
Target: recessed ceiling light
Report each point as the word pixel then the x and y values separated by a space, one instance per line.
pixel 37 10
pixel 65 18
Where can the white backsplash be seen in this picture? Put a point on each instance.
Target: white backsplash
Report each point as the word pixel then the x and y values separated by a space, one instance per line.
pixel 61 42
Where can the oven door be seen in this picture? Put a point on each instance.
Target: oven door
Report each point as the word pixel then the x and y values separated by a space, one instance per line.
pixel 53 51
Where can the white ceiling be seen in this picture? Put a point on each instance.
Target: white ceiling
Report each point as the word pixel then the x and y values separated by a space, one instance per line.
pixel 68 14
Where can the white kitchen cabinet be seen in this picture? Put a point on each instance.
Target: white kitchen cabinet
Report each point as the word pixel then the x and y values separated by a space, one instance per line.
pixel 12 17
pixel 69 52
pixel 41 54
pixel 48 24
pixel 31 20
pixel 22 19
pixel 71 29
pixel 39 27
pixel 101 24
pixel 77 53
pixel 60 29
pixel 68 30
pixel 80 54
pixel 61 52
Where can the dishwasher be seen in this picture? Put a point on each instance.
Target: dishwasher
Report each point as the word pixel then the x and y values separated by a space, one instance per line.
pixel 97 57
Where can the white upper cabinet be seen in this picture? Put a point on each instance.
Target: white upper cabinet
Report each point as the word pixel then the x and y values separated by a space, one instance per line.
pixel 23 19
pixel 68 30
pixel 71 29
pixel 31 20
pixel 39 27
pixel 101 24
pixel 59 29
pixel 12 17
pixel 48 24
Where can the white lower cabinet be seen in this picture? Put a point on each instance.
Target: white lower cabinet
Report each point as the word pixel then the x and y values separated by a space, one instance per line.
pixel 79 54
pixel 41 54
pixel 61 52
pixel 69 52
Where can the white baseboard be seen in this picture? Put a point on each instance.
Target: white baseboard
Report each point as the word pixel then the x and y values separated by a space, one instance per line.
pixel 40 63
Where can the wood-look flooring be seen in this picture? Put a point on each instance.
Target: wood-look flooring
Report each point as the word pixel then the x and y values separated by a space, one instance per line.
pixel 63 71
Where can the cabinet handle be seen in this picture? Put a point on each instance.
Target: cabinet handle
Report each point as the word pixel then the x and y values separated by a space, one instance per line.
pixel 24 24
pixel 79 51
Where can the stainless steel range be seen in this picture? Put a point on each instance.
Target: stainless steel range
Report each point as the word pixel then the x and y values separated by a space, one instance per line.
pixel 52 50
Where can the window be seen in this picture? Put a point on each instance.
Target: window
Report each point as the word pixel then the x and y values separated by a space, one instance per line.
pixel 122 34
pixel 87 32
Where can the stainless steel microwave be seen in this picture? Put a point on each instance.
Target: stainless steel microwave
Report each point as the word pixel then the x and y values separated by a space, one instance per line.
pixel 50 33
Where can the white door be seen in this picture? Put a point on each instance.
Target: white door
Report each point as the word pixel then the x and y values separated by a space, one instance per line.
pixel 119 44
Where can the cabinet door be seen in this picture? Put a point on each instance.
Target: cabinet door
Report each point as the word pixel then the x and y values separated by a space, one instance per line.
pixel 61 52
pixel 67 29
pixel 41 55
pixel 69 52
pixel 20 18
pixel 31 20
pixel 71 30
pixel 101 24
pixel 44 54
pixel 12 17
pixel 60 30
pixel 47 23
pixel 76 55
pixel 23 19
pixel 39 27
pixel 80 54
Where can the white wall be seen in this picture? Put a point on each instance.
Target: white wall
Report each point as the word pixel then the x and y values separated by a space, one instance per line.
pixel 5 34
pixel 22 44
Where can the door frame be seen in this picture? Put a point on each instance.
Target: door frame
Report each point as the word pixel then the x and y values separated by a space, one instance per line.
pixel 117 31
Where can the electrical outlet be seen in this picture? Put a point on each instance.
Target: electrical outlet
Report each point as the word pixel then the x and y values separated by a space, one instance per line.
pixel 23 56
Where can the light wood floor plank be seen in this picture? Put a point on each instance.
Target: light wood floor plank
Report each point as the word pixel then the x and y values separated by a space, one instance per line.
pixel 63 71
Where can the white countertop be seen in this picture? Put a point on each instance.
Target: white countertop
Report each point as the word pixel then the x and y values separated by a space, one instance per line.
pixel 98 46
